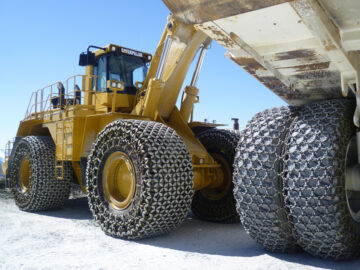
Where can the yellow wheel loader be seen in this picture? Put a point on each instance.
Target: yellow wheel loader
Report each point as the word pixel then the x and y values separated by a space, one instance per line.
pixel 117 133
pixel 293 172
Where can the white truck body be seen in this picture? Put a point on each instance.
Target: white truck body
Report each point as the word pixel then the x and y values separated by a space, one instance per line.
pixel 302 50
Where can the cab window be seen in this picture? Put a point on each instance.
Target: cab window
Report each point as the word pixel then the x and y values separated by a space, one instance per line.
pixel 128 69
pixel 120 67
pixel 99 83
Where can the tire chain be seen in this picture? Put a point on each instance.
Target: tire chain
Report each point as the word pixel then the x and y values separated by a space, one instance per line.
pixel 315 182
pixel 165 189
pixel 46 192
pixel 224 210
pixel 258 179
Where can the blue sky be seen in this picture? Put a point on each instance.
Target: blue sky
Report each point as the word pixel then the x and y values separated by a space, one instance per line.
pixel 41 40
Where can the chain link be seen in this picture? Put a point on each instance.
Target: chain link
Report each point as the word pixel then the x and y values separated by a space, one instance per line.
pixel 45 191
pixel 290 179
pixel 258 179
pixel 221 142
pixel 314 180
pixel 164 179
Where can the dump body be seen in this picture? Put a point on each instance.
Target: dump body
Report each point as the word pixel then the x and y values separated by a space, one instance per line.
pixel 302 50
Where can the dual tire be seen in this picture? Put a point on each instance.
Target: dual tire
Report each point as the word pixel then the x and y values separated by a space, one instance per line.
pixel 290 180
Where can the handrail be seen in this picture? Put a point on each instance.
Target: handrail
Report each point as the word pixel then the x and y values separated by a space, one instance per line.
pixel 43 100
pixel 8 148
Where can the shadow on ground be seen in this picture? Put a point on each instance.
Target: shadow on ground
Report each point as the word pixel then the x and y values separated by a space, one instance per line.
pixel 206 238
pixel 73 209
pixel 231 240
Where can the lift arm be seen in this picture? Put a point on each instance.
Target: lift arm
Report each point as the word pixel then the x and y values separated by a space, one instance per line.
pixel 157 98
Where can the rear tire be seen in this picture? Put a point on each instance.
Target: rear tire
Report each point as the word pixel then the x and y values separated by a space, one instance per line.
pixel 218 204
pixel 33 181
pixel 315 180
pixel 160 174
pixel 258 179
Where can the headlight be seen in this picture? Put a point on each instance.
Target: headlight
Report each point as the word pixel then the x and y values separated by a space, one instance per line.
pixel 115 85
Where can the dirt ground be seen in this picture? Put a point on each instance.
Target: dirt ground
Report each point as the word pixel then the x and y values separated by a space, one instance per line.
pixel 69 239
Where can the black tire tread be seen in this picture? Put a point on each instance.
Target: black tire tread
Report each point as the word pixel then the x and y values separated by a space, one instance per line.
pixel 315 181
pixel 46 192
pixel 165 189
pixel 223 210
pixel 258 179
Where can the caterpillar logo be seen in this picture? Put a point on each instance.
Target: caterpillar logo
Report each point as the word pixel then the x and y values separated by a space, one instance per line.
pixel 131 52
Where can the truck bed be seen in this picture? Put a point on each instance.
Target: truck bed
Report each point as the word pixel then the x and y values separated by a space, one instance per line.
pixel 302 50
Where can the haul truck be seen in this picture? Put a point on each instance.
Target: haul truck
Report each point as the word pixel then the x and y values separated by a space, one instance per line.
pixel 143 163
pixel 296 170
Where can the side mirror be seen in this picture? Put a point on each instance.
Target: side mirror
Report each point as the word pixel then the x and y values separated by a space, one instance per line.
pixel 87 59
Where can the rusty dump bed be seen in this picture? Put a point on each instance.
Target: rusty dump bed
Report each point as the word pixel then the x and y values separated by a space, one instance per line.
pixel 303 50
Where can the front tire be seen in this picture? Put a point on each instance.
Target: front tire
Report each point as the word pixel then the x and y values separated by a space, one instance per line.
pixel 33 182
pixel 139 179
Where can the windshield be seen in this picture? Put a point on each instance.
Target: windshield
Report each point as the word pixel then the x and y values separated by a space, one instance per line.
pixel 118 67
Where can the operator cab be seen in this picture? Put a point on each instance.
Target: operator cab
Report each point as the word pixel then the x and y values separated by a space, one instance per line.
pixel 114 69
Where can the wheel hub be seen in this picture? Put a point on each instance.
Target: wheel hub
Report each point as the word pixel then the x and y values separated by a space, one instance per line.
pixel 352 180
pixel 223 180
pixel 25 175
pixel 119 180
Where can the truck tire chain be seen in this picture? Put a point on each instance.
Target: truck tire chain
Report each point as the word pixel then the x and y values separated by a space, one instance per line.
pixel 166 188
pixel 223 210
pixel 315 181
pixel 258 179
pixel 46 191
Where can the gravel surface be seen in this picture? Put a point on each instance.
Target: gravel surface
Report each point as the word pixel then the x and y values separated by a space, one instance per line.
pixel 69 239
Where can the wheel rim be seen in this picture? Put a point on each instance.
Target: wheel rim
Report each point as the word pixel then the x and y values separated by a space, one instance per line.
pixel 25 175
pixel 119 180
pixel 352 180
pixel 223 175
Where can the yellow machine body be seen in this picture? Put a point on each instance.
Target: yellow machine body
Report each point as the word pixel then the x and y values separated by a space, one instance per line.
pixel 75 123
